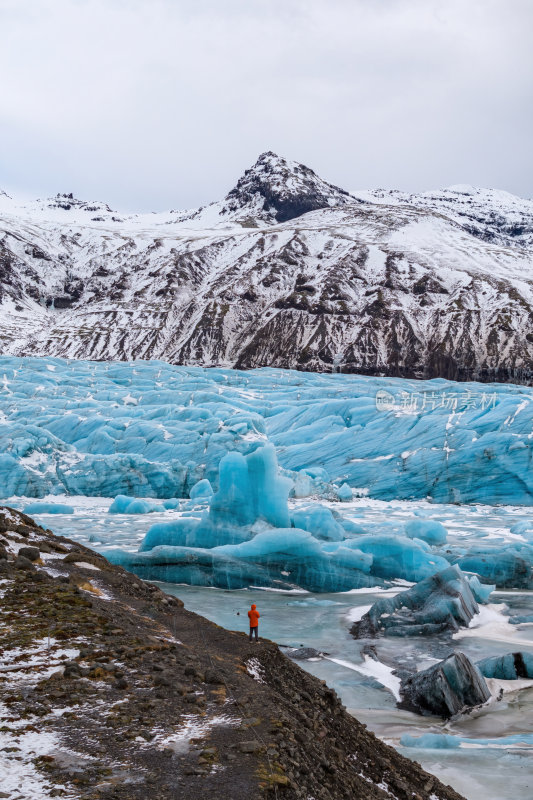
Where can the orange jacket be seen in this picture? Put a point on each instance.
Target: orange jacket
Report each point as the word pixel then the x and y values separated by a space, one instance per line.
pixel 253 616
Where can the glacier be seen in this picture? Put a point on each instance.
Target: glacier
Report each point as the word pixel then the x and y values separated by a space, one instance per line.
pixel 147 429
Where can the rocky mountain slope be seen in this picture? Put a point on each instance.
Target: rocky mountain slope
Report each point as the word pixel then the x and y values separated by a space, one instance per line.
pixel 287 270
pixel 111 689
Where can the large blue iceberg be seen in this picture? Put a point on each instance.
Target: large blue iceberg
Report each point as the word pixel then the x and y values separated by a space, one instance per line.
pixel 150 429
pixel 248 537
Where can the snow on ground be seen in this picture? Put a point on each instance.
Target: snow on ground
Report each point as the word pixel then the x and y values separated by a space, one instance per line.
pixel 193 727
pixel 254 668
pixel 374 669
pixel 491 623
pixel 34 663
pixel 18 749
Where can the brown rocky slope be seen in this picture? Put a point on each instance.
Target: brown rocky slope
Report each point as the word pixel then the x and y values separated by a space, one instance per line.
pixel 111 689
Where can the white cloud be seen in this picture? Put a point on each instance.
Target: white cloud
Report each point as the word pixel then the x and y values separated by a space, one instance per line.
pixel 163 103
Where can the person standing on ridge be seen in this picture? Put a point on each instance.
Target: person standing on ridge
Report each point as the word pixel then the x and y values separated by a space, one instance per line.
pixel 253 616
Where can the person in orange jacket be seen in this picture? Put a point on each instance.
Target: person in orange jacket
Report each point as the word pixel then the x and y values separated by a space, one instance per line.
pixel 253 616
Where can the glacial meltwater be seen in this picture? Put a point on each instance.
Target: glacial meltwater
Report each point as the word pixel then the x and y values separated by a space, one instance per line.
pixel 485 754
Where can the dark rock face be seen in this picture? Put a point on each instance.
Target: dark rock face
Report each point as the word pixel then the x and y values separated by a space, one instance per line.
pixel 442 602
pixel 448 688
pixel 283 190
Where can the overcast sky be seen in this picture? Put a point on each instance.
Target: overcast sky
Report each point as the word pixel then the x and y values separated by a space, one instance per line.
pixel 154 104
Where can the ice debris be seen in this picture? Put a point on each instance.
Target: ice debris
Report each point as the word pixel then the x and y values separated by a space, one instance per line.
pixel 122 504
pixel 201 490
pixel 345 493
pixel 428 530
pixel 509 566
pixel 444 741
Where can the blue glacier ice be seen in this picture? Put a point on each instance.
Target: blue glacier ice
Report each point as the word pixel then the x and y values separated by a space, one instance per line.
pixel 480 591
pixel 319 521
pixel 248 537
pixel 150 429
pixel 189 438
pixel 444 741
pixel 345 492
pixel 122 504
pixel 201 490
pixel 509 667
pixel 400 557
pixel 428 530
pixel 508 566
pixel 48 508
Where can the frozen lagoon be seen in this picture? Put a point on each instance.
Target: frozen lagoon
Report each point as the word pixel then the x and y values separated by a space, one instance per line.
pixel 502 770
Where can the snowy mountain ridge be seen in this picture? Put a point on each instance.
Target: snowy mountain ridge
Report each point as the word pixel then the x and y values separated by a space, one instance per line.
pixel 287 270
pixel 490 214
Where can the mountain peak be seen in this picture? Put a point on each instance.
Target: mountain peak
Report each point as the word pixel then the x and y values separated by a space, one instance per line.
pixel 67 202
pixel 275 189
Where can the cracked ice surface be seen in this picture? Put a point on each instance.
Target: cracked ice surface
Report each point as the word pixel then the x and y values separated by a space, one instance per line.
pixel 150 429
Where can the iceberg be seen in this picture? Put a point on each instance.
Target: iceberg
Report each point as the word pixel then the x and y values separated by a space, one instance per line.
pixel 442 602
pixel 245 538
pixel 430 531
pixel 345 493
pixel 399 557
pixel 48 508
pixel 507 567
pixel 248 537
pixel 450 687
pixel 201 490
pixel 319 521
pixel 122 504
pixel 446 741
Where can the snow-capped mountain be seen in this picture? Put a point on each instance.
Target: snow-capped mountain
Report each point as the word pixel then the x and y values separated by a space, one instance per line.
pixel 490 214
pixel 287 270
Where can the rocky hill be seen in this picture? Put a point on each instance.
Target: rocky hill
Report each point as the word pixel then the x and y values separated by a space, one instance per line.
pixel 287 270
pixel 111 689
